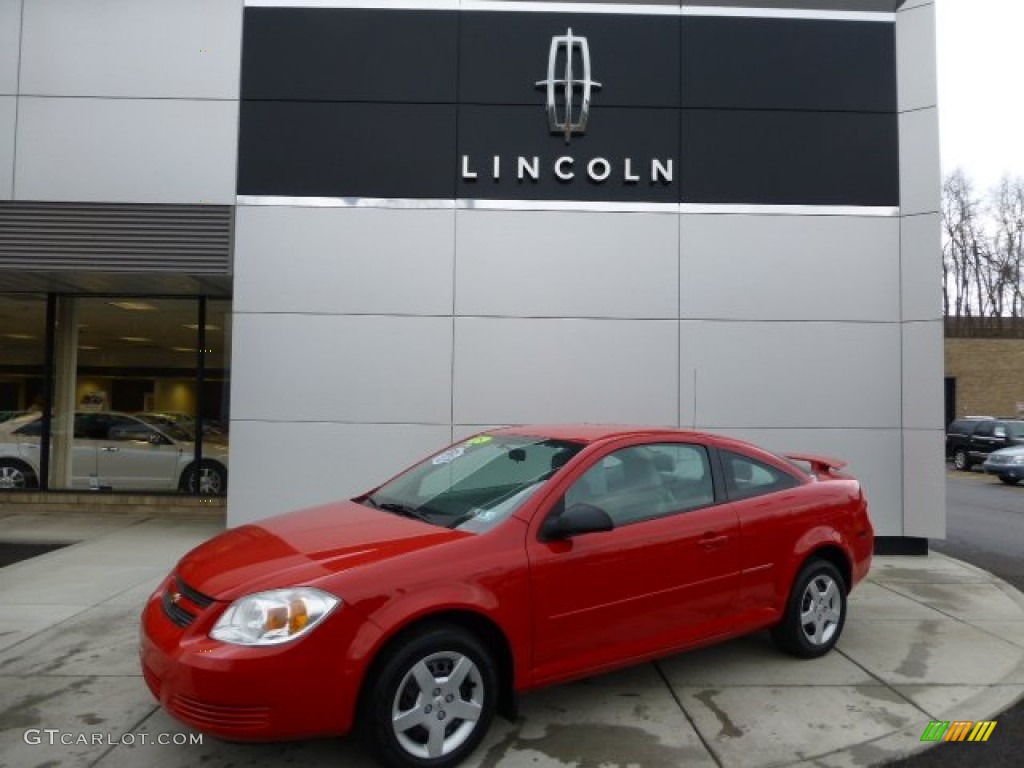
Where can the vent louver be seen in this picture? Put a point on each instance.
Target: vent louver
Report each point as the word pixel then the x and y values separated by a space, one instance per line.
pixel 115 237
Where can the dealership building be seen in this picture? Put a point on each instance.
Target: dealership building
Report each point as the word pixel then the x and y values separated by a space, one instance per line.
pixel 346 234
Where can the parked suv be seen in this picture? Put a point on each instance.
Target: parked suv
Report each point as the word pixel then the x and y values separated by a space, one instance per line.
pixel 969 441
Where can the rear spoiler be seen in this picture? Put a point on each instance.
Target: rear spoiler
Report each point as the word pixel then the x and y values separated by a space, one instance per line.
pixel 820 465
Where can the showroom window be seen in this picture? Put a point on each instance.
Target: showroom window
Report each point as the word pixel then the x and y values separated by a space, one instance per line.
pixel 137 388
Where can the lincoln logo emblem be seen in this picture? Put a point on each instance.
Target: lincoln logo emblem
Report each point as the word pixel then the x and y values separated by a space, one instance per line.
pixel 574 90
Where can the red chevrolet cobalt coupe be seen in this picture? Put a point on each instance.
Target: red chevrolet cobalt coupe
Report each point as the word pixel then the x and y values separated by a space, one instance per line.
pixel 515 559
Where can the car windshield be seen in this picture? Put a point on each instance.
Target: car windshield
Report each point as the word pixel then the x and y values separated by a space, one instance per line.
pixel 476 484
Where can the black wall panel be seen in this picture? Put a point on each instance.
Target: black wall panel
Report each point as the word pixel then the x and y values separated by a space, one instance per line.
pixel 503 55
pixel 349 55
pixel 745 63
pixel 790 158
pixel 384 103
pixel 331 149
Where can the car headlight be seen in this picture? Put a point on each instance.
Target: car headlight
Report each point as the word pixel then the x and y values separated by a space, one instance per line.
pixel 270 618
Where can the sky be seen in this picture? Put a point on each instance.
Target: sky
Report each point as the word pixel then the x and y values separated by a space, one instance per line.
pixel 980 52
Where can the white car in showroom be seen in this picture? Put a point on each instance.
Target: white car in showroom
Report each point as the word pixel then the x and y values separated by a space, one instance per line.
pixel 115 451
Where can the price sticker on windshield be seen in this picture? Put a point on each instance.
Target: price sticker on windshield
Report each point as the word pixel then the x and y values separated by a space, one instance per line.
pixel 450 455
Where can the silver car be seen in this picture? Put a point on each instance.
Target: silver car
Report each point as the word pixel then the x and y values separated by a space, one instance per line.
pixel 1007 464
pixel 115 451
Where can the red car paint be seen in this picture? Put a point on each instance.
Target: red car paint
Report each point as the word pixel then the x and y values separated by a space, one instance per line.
pixel 564 609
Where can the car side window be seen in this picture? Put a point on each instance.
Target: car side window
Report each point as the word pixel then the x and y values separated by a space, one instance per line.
pixel 746 477
pixel 120 428
pixel 985 429
pixel 90 426
pixel 646 481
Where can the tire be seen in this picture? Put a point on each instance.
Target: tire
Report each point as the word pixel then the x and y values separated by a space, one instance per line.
pixel 1009 480
pixel 815 613
pixel 961 461
pixel 212 479
pixel 16 475
pixel 410 711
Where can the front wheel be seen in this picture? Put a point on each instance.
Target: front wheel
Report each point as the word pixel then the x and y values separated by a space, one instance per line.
pixel 15 475
pixel 211 479
pixel 432 700
pixel 1009 479
pixel 961 461
pixel 815 613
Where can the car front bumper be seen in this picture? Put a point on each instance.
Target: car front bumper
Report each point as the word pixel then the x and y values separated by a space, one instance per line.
pixel 301 689
pixel 1012 471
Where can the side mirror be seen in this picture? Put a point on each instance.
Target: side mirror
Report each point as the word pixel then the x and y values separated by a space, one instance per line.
pixel 576 520
pixel 155 438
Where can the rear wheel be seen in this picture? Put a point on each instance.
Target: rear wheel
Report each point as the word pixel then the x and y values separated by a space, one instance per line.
pixel 432 699
pixel 210 479
pixel 815 613
pixel 961 461
pixel 16 475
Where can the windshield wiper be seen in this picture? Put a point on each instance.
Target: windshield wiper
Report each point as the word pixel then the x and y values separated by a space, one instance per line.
pixel 404 511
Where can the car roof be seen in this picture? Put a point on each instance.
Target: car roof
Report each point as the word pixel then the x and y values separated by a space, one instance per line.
pixel 592 433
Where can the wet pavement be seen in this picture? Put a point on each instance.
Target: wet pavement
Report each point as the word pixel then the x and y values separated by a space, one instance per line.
pixel 926 639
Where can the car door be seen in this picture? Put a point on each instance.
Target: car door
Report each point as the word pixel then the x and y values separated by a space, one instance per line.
pixel 664 577
pixel 135 456
pixel 986 438
pixel 771 512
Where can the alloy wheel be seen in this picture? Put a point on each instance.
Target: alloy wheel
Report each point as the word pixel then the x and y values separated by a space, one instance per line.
pixel 437 705
pixel 820 609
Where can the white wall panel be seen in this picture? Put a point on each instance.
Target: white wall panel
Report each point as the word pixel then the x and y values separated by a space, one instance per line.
pixel 520 371
pixel 126 150
pixel 921 266
pixel 567 264
pixel 924 483
pixel 790 374
pixel 10 36
pixel 135 48
pixel 344 260
pixel 923 375
pixel 915 58
pixel 278 467
pixel 790 267
pixel 920 178
pixel 874 456
pixel 338 368
pixel 8 117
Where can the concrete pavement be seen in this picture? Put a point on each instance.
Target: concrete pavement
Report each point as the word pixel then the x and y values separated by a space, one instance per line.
pixel 925 639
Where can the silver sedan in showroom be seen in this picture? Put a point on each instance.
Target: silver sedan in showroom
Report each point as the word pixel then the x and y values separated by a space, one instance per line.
pixel 115 451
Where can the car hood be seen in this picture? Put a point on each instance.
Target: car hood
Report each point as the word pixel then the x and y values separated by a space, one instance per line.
pixel 303 547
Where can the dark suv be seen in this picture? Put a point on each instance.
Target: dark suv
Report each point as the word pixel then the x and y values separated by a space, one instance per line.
pixel 969 441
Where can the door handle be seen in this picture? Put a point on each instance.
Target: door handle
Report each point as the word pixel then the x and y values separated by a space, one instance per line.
pixel 110 448
pixel 712 540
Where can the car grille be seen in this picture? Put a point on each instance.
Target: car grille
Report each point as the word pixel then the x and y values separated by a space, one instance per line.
pixel 222 717
pixel 176 600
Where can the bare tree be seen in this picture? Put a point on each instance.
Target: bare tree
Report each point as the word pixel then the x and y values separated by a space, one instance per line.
pixel 982 250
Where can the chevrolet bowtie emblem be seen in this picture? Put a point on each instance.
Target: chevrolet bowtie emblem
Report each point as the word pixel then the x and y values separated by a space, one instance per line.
pixel 569 120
